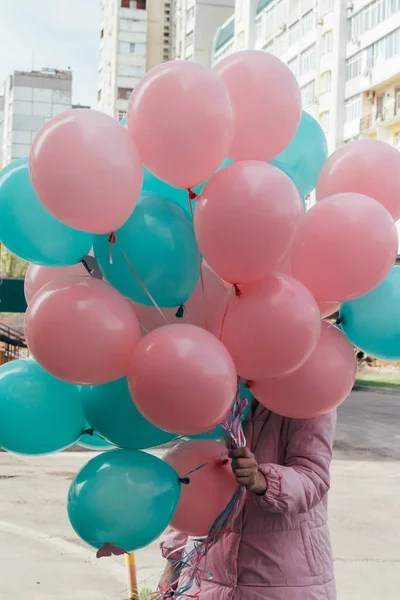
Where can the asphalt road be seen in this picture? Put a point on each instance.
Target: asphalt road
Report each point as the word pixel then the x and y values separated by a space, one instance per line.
pixel 41 558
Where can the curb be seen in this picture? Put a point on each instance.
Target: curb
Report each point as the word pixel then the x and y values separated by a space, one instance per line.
pixel 377 390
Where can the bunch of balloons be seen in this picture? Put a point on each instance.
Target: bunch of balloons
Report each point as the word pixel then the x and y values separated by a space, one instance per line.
pixel 213 274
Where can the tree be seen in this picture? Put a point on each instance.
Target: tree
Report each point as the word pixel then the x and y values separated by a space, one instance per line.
pixel 11 265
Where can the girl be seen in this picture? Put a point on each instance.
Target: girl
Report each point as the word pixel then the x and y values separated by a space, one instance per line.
pixel 279 548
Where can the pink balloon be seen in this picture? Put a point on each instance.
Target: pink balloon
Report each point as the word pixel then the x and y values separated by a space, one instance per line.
pixel 210 489
pixel 322 383
pixel 328 308
pixel 285 266
pixel 183 379
pixel 82 330
pixel 86 170
pixel 246 219
pixel 199 310
pixel 180 116
pixel 345 246
pixel 266 101
pixel 37 276
pixel 271 328
pixel 365 166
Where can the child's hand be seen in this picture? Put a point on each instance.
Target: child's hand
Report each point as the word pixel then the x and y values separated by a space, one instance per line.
pixel 246 471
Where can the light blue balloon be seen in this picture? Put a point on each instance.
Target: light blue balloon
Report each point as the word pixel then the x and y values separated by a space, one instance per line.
pixel 304 157
pixel 110 410
pixel 372 322
pixel 29 230
pixel 159 242
pixel 152 184
pixel 123 497
pixel 38 413
pixel 124 121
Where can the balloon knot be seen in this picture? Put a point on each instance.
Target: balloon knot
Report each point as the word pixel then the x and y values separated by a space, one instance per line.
pixel 89 431
pixel 180 312
pixel 109 549
pixel 112 238
pixel 191 195
pixel 237 290
pixel 184 480
pixel 249 384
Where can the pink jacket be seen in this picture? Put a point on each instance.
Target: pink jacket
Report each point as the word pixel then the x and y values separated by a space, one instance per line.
pixel 279 548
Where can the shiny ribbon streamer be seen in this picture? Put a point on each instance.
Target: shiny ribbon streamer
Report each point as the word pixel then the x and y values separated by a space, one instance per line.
pixel 189 573
pixel 114 240
pixel 192 196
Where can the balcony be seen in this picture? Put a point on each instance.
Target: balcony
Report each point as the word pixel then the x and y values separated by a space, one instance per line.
pixel 385 116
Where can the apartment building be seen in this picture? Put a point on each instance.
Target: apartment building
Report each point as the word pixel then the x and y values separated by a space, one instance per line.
pixel 134 37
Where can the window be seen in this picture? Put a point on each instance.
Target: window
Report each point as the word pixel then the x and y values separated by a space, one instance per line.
pixel 294 66
pixel 307 60
pixel 131 48
pixel 124 93
pixel 271 47
pixel 326 82
pixel 121 115
pixel 294 33
pixel 353 108
pixel 324 119
pixel 396 139
pixel 327 7
pixel 131 71
pixel 190 13
pixel 102 34
pixel 133 25
pixel 386 48
pixel 353 66
pixel 259 29
pixel 371 15
pixel 189 39
pixel 281 43
pixel 269 20
pixel 307 22
pixel 327 40
pixel 308 94
pixel 99 96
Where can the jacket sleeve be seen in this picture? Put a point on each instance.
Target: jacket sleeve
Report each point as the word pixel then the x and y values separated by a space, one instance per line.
pixel 304 480
pixel 172 544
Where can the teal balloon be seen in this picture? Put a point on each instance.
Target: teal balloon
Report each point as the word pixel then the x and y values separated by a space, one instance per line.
pixel 154 185
pixel 372 322
pixel 94 441
pixel 304 157
pixel 218 432
pixel 124 121
pixel 29 230
pixel 110 411
pixel 123 497
pixel 39 414
pixel 159 243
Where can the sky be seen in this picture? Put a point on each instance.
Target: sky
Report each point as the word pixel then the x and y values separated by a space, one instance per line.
pixel 50 33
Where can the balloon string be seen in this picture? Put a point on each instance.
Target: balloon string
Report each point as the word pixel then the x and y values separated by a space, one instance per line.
pixel 189 573
pixel 114 240
pixel 191 197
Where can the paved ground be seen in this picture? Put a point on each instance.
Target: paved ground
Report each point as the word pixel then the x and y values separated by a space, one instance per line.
pixel 41 559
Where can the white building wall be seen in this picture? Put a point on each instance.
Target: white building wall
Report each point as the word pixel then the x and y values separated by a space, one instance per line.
pixel 194 23
pixel 31 99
